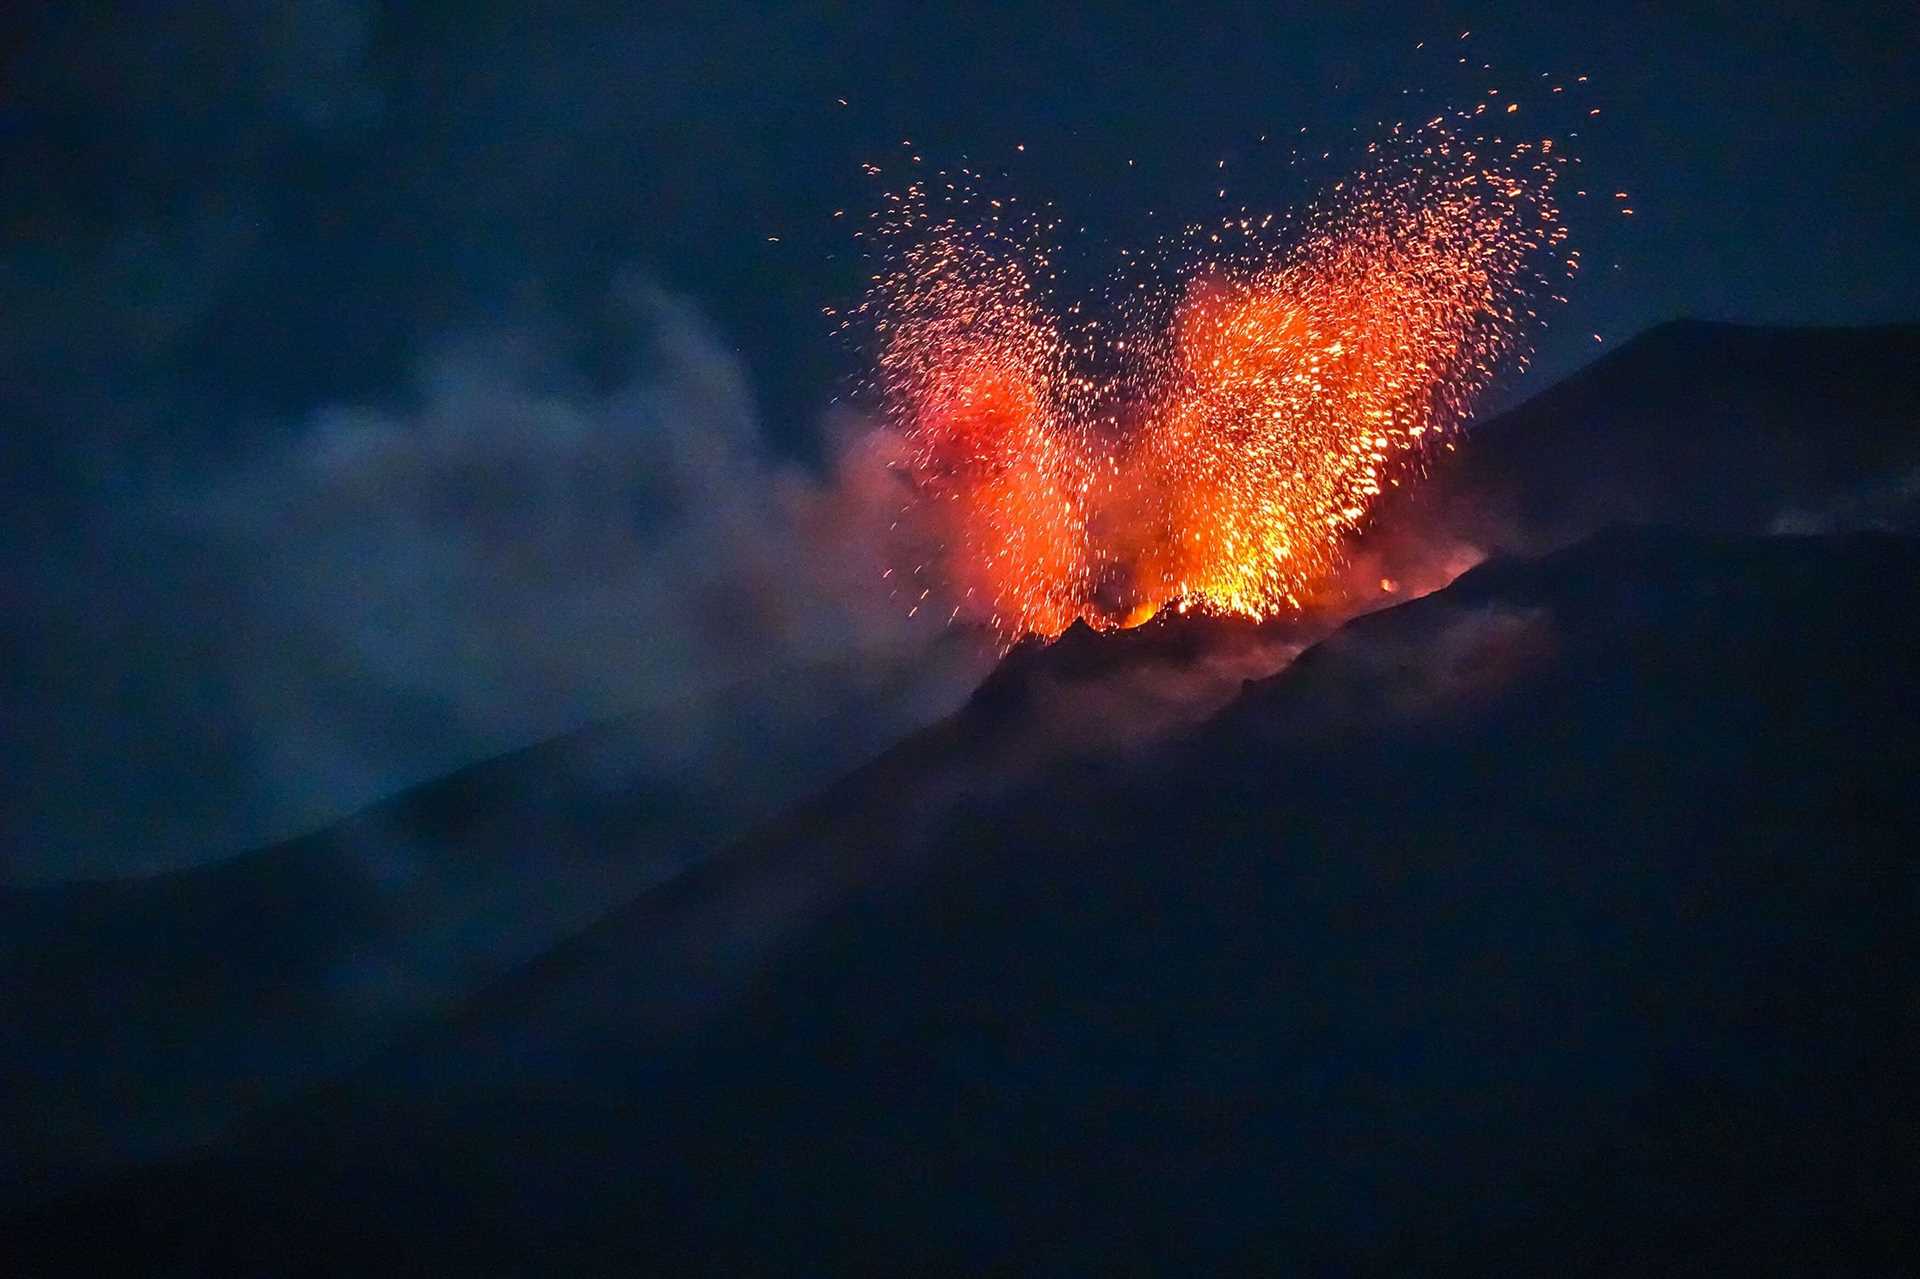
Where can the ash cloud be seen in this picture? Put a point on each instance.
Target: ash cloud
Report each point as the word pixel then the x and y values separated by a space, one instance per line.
pixel 389 594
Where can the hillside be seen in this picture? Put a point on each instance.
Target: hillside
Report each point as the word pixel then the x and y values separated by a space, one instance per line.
pixel 1723 428
pixel 1563 917
pixel 145 1015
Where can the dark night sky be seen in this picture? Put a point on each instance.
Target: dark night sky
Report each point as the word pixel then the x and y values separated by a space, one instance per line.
pixel 232 227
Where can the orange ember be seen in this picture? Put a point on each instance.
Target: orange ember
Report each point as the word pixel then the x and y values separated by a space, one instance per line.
pixel 1212 443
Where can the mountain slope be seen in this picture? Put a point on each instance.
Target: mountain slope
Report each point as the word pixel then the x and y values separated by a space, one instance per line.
pixel 1722 428
pixel 1563 917
pixel 145 1015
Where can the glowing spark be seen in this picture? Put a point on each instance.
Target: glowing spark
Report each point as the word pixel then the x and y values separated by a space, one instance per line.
pixel 1210 431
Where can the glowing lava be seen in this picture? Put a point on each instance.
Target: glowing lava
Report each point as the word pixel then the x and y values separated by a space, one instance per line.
pixel 1210 433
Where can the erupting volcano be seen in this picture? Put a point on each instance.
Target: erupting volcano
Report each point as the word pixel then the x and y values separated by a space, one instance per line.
pixel 1207 432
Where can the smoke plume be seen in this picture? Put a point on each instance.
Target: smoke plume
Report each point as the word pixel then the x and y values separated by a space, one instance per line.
pixel 392 593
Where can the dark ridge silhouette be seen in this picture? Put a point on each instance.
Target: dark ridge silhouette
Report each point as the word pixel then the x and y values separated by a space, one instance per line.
pixel 1723 428
pixel 1560 919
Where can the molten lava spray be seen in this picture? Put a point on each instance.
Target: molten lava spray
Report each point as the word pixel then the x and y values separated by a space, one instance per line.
pixel 1207 435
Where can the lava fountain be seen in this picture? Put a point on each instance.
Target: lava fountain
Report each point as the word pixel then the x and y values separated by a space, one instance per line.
pixel 1209 434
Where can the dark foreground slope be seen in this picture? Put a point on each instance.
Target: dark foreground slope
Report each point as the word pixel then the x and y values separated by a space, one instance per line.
pixel 1566 917
pixel 143 1016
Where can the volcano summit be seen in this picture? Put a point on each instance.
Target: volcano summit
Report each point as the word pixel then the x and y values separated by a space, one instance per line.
pixel 1562 916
